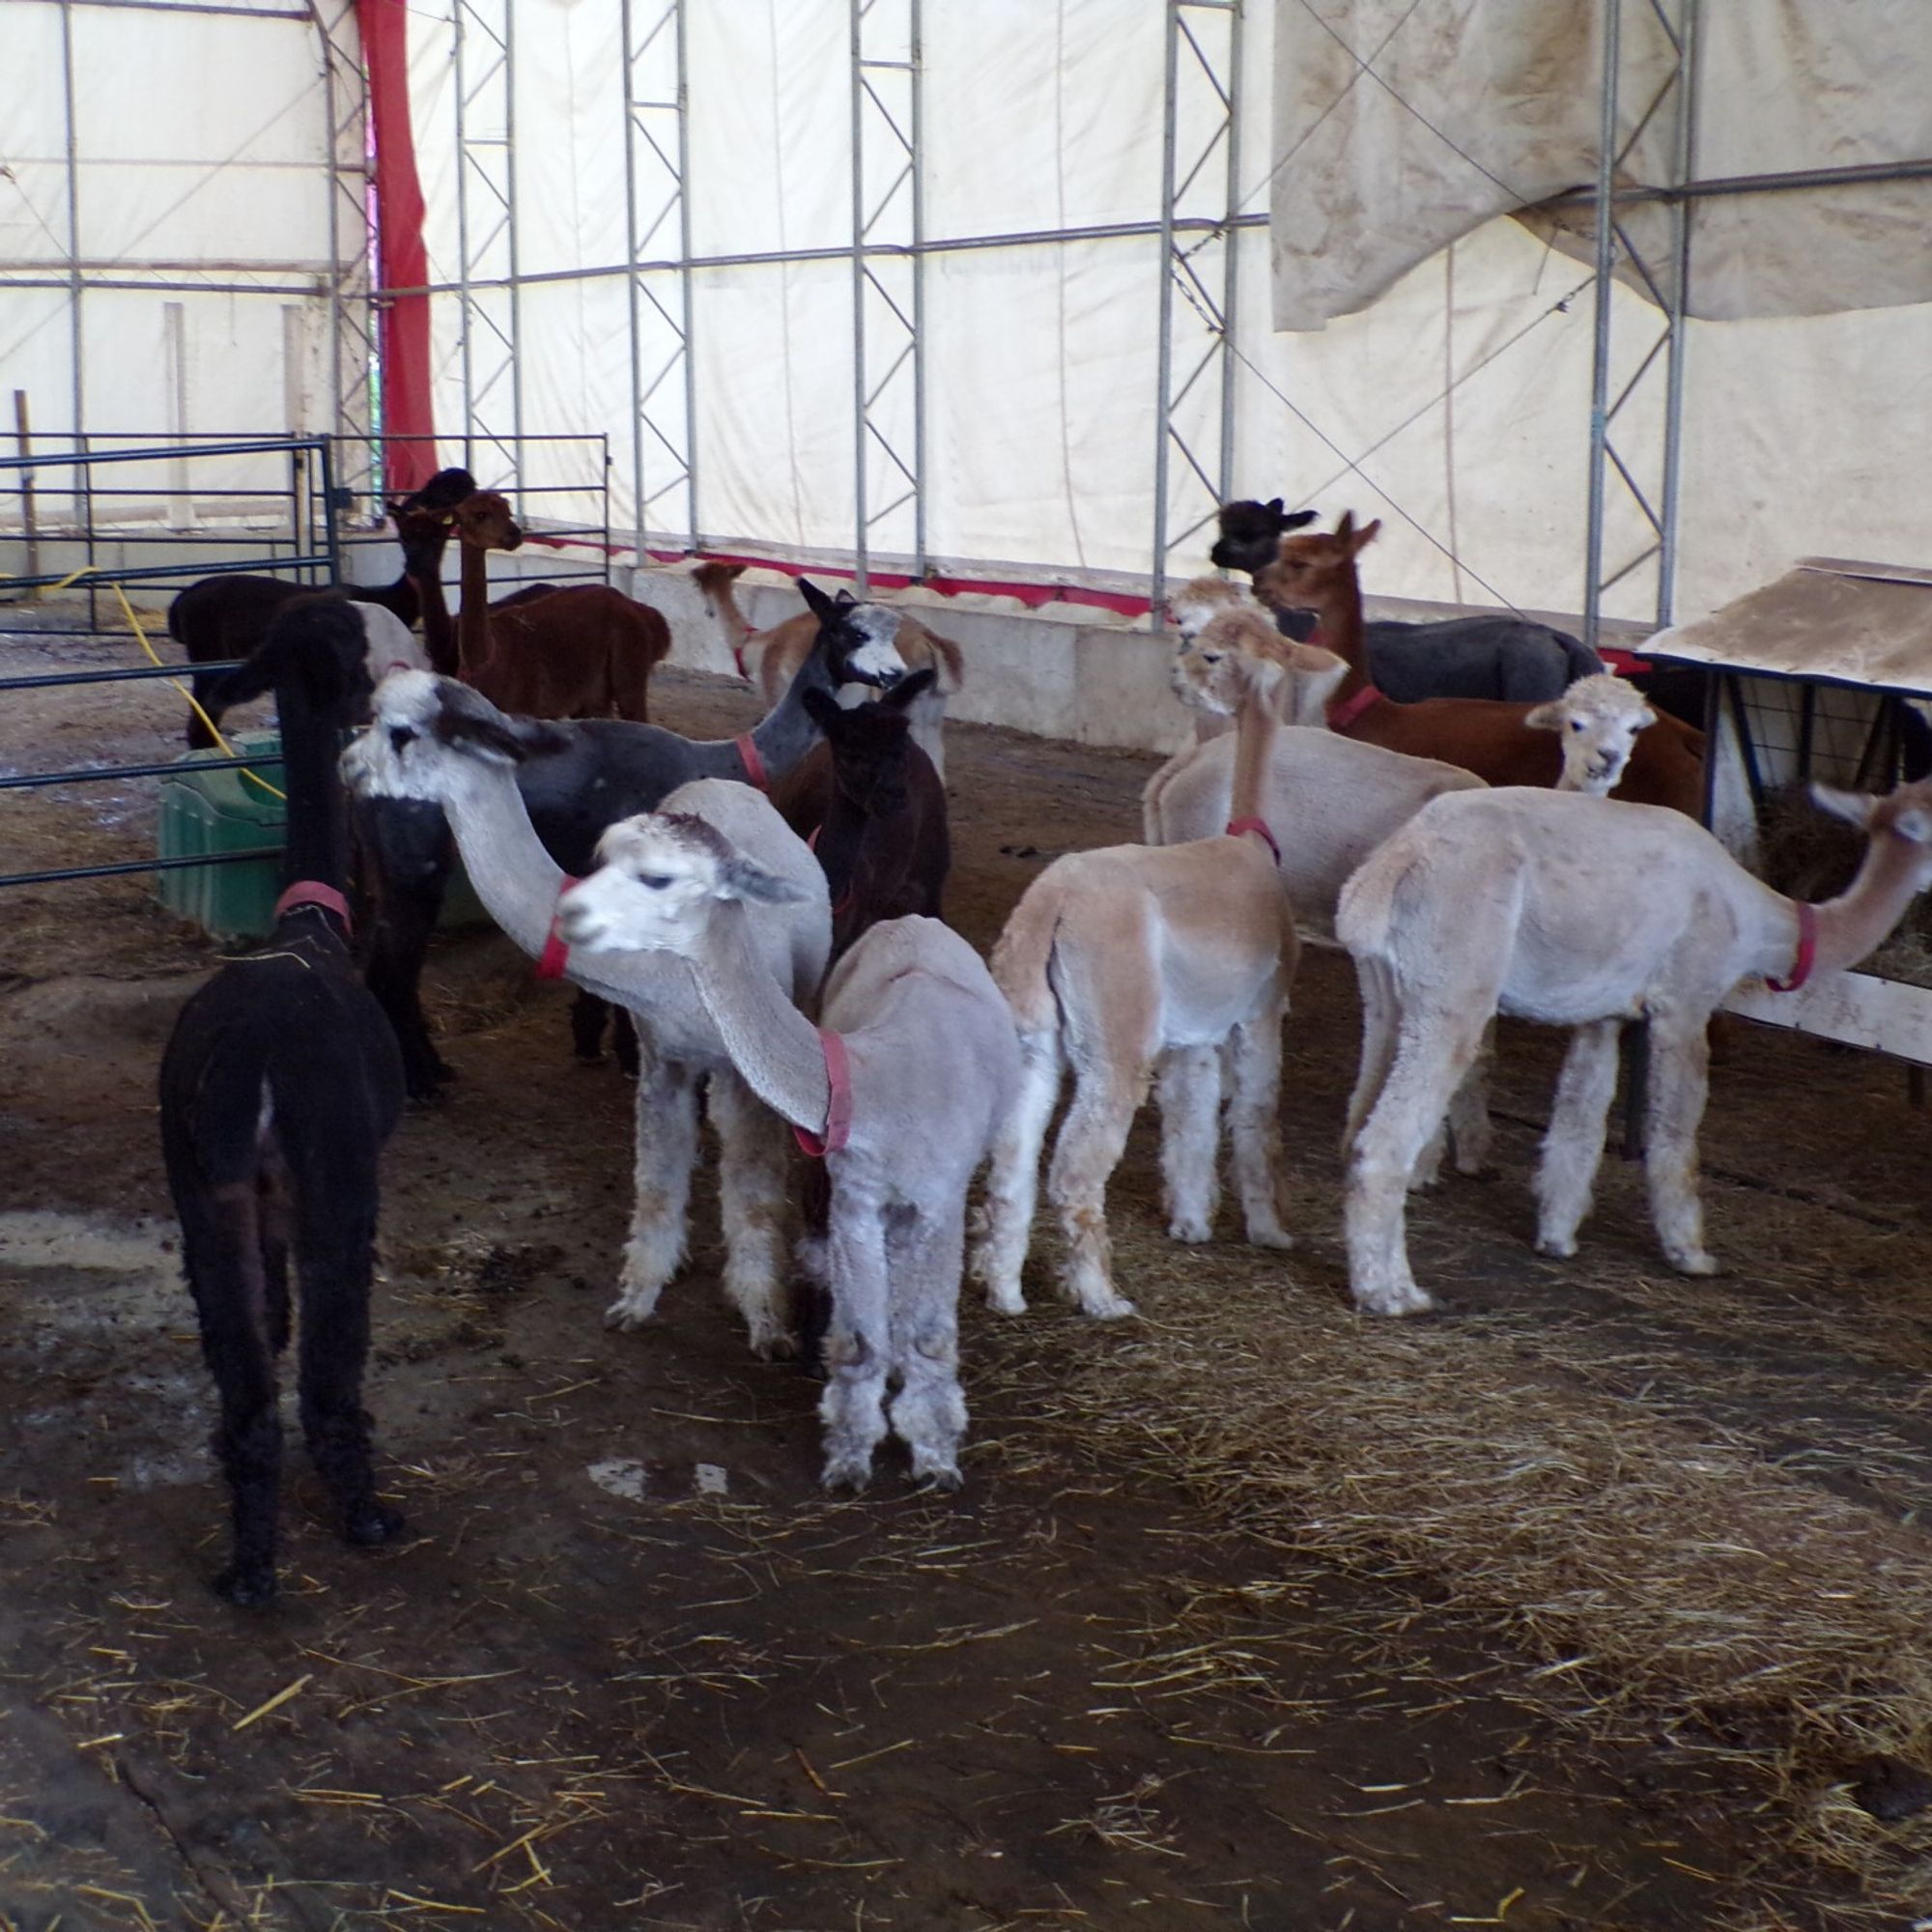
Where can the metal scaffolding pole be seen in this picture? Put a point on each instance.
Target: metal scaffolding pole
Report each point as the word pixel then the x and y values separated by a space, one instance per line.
pixel 1199 279
pixel 1666 281
pixel 657 157
pixel 351 321
pixel 486 224
pixel 887 285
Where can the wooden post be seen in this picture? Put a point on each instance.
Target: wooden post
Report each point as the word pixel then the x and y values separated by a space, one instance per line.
pixel 24 432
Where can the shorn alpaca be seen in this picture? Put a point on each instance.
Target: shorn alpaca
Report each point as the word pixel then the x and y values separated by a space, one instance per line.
pixel 1119 961
pixel 228 616
pixel 578 652
pixel 1491 739
pixel 901 1086
pixel 575 781
pixel 873 810
pixel 280 1083
pixel 1578 912
pixel 440 740
pixel 770 658
pixel 1509 657
pixel 1596 721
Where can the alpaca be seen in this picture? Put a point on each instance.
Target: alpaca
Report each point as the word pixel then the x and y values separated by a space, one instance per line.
pixel 1487 737
pixel 1509 657
pixel 442 741
pixel 870 805
pixel 769 658
pixel 218 618
pixel 280 1083
pixel 1116 961
pixel 902 1089
pixel 1596 720
pixel 1581 912
pixel 582 652
pixel 577 779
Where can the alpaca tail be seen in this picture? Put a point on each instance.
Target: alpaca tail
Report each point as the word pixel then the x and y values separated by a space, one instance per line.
pixel 1023 958
pixel 1366 906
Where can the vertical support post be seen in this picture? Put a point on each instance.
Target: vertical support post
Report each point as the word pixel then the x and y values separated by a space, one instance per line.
pixel 352 323
pixel 860 550
pixel 1599 365
pixel 75 336
pixel 486 186
pixel 1164 347
pixel 29 527
pixel 174 337
pixel 1683 169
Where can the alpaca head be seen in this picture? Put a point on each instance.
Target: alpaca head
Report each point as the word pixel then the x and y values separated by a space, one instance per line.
pixel 1306 570
pixel 426 729
pixel 483 522
pixel 658 876
pixel 1598 719
pixel 1198 602
pixel 1239 651
pixel 714 581
pixel 858 639
pixel 1901 820
pixel 869 743
pixel 316 653
pixel 1251 532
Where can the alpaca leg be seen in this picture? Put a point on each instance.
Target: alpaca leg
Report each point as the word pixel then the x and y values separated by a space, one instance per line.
pixel 1679 1082
pixel 221 1256
pixel 1012 1187
pixel 858 1348
pixel 1188 1087
pixel 1254 1125
pixel 409 854
pixel 666 1149
pixel 1574 1146
pixel 1091 1140
pixel 752 1198
pixel 928 1415
pixel 1469 1132
pixel 587 1015
pixel 1436 1051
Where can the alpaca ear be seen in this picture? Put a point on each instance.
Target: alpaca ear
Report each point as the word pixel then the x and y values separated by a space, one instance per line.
pixel 1365 535
pixel 1345 530
pixel 1296 520
pixel 1914 823
pixel 907 689
pixel 816 601
pixel 1856 808
pixel 1645 719
pixel 739 879
pixel 466 718
pixel 1545 718
pixel 1273 506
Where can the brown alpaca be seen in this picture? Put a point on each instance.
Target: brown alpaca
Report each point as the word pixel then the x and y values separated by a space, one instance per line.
pixel 1486 736
pixel 573 653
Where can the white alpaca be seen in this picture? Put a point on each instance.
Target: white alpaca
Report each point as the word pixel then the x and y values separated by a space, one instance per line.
pixel 1582 912
pixel 436 738
pixel 928 1068
pixel 1118 960
pixel 1598 718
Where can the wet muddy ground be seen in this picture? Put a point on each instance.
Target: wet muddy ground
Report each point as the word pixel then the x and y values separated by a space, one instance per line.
pixel 633 1670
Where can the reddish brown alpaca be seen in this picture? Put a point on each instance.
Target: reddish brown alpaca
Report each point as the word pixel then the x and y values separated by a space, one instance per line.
pixel 1481 735
pixel 573 653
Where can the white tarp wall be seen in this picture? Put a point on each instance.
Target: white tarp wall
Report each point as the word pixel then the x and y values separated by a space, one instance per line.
pixel 166 259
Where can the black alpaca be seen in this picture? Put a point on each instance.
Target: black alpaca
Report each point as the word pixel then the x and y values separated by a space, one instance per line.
pixel 873 809
pixel 279 1085
pixel 221 618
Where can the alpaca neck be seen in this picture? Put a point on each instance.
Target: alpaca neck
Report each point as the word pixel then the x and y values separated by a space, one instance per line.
pixel 731 621
pixel 1859 919
pixel 772 1045
pixel 516 880
pixel 439 639
pixel 317 846
pixel 1257 727
pixel 473 617
pixel 1340 630
pixel 786 733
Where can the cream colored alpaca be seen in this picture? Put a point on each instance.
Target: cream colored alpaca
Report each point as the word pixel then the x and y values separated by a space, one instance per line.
pixel 1598 719
pixel 1119 961
pixel 1582 912
pixel 931 1069
pixel 771 657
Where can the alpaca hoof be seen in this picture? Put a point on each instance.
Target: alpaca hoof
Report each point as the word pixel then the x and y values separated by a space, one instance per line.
pixel 1560 1247
pixel 1278 1238
pixel 371 1523
pixel 1111 1308
pixel 847 1474
pixel 1693 1261
pixel 1005 1300
pixel 1192 1231
pixel 773 1343
pixel 943 1477
pixel 249 1586
pixel 630 1311
pixel 1397 1299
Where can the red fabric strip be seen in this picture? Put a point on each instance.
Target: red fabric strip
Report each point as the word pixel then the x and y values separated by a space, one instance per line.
pixel 408 407
pixel 838 1106
pixel 1342 716
pixel 555 955
pixel 755 766
pixel 1237 826
pixel 312 892
pixel 1808 952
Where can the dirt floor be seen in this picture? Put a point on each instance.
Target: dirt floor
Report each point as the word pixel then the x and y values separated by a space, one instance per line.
pixel 1597 1601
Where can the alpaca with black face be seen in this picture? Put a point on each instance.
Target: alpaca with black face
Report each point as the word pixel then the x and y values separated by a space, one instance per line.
pixel 279 1085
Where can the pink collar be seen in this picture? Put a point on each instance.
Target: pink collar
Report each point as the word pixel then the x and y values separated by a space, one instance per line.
pixel 1237 826
pixel 1342 716
pixel 755 766
pixel 555 955
pixel 837 1108
pixel 312 892
pixel 1808 950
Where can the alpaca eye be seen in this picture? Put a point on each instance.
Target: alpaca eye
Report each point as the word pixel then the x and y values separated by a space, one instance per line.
pixel 656 881
pixel 1211 657
pixel 1576 723
pixel 401 735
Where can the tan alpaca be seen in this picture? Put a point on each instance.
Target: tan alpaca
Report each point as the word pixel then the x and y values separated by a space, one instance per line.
pixel 1126 960
pixel 1582 912
pixel 771 657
